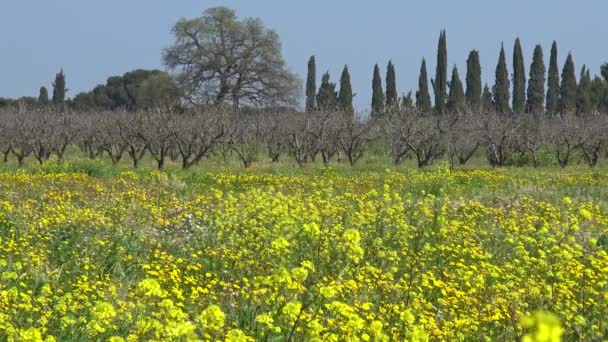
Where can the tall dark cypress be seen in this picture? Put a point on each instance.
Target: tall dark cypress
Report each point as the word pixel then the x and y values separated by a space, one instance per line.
pixel 327 98
pixel 536 83
pixel 345 96
pixel 501 85
pixel 377 94
pixel 568 87
pixel 43 96
pixel 487 104
pixel 59 89
pixel 583 93
pixel 455 102
pixel 311 85
pixel 441 74
pixel 423 98
pixel 473 94
pixel 519 78
pixel 552 106
pixel 392 99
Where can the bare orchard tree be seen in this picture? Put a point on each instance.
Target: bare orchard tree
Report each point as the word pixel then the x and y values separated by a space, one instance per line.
pixel 196 134
pixel 157 134
pixel 354 135
pixel 532 130
pixel 130 127
pixel 499 135
pixel 273 134
pixel 22 127
pixel 426 136
pixel 594 137
pixel 564 134
pixel 463 140
pixel 67 127
pixel 396 129
pixel 111 139
pixel 91 134
pixel 220 58
pixel 6 135
pixel 245 136
pixel 299 138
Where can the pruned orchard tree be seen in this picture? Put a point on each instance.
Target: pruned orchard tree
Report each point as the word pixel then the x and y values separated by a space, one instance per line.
pixel 220 59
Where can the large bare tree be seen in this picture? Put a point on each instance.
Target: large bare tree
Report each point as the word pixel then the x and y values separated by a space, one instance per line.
pixel 220 58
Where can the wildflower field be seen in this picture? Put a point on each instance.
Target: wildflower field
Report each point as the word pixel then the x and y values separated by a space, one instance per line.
pixel 323 255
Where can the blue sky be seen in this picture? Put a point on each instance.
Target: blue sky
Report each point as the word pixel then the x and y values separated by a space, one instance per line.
pixel 93 40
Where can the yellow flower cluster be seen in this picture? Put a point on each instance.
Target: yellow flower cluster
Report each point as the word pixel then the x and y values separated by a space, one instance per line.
pixel 316 256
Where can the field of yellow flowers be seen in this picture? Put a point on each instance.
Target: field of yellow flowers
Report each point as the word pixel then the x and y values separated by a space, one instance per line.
pixel 316 255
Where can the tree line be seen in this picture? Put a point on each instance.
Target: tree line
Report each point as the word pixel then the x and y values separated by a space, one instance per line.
pixel 516 95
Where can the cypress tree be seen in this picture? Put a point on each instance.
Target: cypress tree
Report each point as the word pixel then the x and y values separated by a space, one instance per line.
pixel 441 74
pixel 423 98
pixel 327 97
pixel 568 87
pixel 59 89
pixel 519 78
pixel 487 104
pixel 43 96
pixel 536 83
pixel 391 87
pixel 345 97
pixel 553 82
pixel 501 86
pixel 311 85
pixel 377 93
pixel 455 102
pixel 473 94
pixel 583 93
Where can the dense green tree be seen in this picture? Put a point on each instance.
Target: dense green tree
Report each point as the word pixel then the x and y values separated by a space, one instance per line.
pixel 311 85
pixel 43 96
pixel 487 104
pixel 441 74
pixel 392 99
pixel 473 93
pixel 327 97
pixel 552 106
pixel 407 102
pixel 377 93
pixel 536 83
pixel 456 100
pixel 604 71
pixel 423 98
pixel 583 92
pixel 345 96
pixel 519 78
pixel 599 94
pixel 59 88
pixel 501 85
pixel 568 87
pixel 158 90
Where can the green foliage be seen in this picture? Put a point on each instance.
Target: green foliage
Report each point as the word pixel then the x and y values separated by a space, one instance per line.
pixel 377 93
pixel 345 96
pixel 519 78
pixel 392 99
pixel 43 96
pixel 407 102
pixel 456 102
pixel 59 89
pixel 501 85
pixel 327 97
pixel 423 98
pixel 536 83
pixel 599 94
pixel 311 85
pixel 473 93
pixel 553 82
pixel 441 74
pixel 568 87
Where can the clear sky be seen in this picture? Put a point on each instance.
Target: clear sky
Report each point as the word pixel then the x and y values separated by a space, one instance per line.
pixel 93 40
